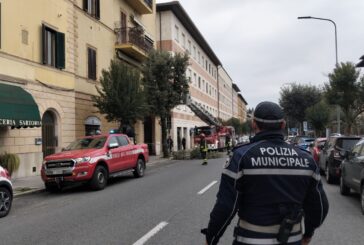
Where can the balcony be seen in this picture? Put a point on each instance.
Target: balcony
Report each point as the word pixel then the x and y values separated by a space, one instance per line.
pixel 142 6
pixel 133 42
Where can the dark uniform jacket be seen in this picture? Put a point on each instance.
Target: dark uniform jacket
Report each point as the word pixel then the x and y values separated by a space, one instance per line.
pixel 262 182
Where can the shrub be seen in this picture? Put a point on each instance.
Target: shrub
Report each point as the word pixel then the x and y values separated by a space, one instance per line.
pixel 10 161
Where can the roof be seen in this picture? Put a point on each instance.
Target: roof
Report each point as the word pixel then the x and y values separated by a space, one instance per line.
pixel 182 16
pixel 236 88
pixel 242 98
pixel 361 62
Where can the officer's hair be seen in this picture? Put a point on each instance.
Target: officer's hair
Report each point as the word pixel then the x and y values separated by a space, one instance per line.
pixel 268 126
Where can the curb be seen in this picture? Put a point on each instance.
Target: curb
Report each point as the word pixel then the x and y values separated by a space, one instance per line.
pixel 35 190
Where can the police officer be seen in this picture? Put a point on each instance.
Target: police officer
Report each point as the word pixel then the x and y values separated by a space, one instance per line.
pixel 271 185
pixel 203 148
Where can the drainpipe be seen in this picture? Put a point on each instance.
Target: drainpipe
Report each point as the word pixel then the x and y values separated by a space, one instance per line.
pixel 160 31
pixel 218 93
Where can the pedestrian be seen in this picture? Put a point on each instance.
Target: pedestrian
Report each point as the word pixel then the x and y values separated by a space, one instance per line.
pixel 170 143
pixel 227 143
pixel 203 148
pixel 270 185
pixel 184 143
pixel 179 142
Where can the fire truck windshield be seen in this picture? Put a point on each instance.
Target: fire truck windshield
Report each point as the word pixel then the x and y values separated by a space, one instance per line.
pixel 205 130
pixel 87 143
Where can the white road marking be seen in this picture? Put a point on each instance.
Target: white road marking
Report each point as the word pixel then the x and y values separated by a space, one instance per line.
pixel 151 233
pixel 206 188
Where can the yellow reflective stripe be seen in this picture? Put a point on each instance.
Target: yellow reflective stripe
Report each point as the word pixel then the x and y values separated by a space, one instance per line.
pixel 232 174
pixel 266 241
pixel 280 171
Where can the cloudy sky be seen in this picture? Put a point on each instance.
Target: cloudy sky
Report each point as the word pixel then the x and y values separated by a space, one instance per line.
pixel 263 45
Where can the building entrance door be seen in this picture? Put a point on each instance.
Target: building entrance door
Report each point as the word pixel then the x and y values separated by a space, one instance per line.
pixel 48 134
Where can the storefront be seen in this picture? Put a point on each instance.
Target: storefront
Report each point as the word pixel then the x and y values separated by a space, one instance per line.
pixel 18 108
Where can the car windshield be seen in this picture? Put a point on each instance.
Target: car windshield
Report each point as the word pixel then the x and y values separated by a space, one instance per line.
pixel 87 143
pixel 347 144
pixel 305 140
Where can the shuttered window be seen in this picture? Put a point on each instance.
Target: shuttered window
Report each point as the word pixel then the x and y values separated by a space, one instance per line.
pixel 91 54
pixel 53 47
pixel 0 25
pixel 92 7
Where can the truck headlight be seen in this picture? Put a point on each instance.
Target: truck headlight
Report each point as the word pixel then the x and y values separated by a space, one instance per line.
pixel 82 159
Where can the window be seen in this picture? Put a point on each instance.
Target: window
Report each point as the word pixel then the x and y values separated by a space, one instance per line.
pixel 0 25
pixel 183 40
pixel 92 126
pixel 207 87
pixel 114 141
pixel 176 33
pixel 194 52
pixel 24 37
pixel 189 75
pixel 123 141
pixel 189 46
pixel 91 58
pixel 199 57
pixel 194 77
pixel 53 47
pixel 199 82
pixel 206 65
pixel 92 7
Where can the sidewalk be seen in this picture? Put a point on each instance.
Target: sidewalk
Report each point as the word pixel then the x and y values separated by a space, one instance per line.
pixel 26 185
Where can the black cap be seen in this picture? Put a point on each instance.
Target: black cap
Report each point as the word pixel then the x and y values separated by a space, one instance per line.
pixel 268 112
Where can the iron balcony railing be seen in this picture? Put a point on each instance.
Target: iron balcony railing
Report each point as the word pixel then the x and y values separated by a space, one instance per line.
pixel 149 3
pixel 135 36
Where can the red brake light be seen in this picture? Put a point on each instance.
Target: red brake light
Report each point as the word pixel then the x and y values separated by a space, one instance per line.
pixel 4 173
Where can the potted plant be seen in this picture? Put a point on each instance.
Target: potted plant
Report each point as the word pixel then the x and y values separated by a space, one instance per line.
pixel 10 162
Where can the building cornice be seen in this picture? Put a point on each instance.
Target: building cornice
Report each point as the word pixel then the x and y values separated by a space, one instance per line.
pixel 184 18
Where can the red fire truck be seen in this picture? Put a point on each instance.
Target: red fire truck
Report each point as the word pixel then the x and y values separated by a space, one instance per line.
pixel 93 160
pixel 216 136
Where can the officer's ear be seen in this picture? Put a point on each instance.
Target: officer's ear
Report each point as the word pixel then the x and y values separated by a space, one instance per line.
pixel 255 126
pixel 283 125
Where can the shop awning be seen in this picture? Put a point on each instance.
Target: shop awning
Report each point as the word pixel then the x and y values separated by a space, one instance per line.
pixel 17 108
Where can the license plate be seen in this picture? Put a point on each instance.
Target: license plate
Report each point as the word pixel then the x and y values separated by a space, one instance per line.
pixel 55 172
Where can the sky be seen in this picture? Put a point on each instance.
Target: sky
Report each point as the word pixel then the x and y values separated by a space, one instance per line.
pixel 263 46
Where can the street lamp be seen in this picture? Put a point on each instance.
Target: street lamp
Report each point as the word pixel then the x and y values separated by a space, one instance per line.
pixel 316 18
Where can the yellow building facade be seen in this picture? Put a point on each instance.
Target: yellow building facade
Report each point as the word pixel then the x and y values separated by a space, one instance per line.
pixel 52 53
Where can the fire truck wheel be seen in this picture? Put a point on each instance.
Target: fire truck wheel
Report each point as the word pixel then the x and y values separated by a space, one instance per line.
pixel 99 179
pixel 139 169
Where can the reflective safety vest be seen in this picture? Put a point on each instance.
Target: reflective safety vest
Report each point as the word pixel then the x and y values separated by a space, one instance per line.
pixel 203 145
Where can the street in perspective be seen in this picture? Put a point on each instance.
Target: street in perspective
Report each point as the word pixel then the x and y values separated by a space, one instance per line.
pixel 181 122
pixel 171 196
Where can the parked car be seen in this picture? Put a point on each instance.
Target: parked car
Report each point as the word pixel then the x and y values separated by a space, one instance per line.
pixel 93 160
pixel 305 142
pixel 318 145
pixel 6 192
pixel 330 157
pixel 352 172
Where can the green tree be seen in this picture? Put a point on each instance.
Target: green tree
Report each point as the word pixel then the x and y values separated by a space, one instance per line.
pixel 166 84
pixel 318 115
pixel 121 95
pixel 246 127
pixel 296 98
pixel 346 89
pixel 234 122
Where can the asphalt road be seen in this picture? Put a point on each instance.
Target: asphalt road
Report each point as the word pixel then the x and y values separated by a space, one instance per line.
pixel 169 205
